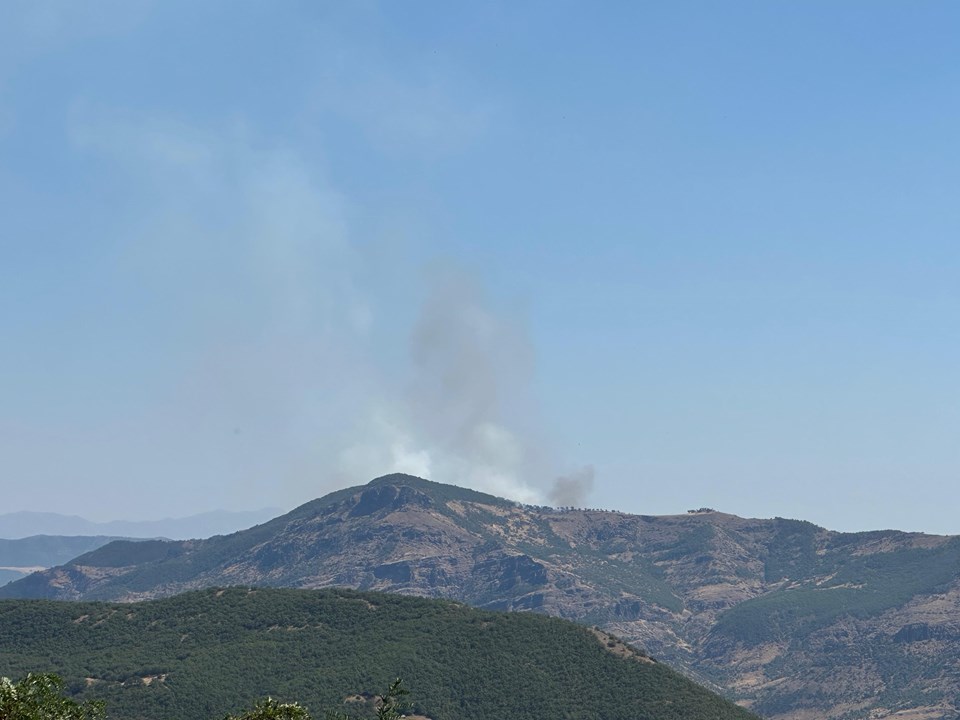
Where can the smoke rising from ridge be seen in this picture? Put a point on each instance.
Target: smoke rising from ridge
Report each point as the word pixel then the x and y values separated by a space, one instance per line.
pixel 300 372
pixel 572 490
pixel 241 316
pixel 460 418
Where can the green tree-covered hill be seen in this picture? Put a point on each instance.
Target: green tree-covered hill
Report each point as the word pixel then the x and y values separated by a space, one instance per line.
pixel 200 655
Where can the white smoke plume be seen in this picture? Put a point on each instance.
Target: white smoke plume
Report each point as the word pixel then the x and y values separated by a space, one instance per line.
pixel 285 393
pixel 460 419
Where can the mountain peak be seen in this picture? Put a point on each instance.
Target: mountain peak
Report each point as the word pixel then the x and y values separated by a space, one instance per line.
pixel 389 496
pixel 400 479
pixel 437 491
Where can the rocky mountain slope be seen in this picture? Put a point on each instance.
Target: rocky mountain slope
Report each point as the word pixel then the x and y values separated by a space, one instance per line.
pixel 792 620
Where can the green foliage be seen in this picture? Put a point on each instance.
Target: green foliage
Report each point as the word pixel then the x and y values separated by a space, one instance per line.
pixel 689 544
pixel 793 551
pixel 270 709
pixel 389 707
pixel 39 697
pixel 393 701
pixel 204 654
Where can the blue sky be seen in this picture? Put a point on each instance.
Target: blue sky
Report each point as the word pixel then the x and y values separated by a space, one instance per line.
pixel 251 252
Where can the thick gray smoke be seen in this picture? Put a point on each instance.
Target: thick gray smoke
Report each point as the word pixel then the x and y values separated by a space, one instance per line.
pixel 572 490
pixel 471 369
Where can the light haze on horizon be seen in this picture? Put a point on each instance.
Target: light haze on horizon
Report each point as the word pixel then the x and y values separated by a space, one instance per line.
pixel 682 254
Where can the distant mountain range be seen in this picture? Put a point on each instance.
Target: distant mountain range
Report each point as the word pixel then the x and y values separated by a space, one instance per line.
pixel 203 525
pixel 794 621
pixel 48 550
pixel 23 556
pixel 201 655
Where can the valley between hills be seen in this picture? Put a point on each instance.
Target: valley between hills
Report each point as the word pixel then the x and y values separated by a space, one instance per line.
pixel 792 621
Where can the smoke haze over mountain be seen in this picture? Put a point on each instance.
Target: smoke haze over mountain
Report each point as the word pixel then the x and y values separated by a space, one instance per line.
pixel 253 252
pixel 465 414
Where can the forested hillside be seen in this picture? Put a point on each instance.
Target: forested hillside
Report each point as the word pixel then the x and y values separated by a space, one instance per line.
pixel 203 654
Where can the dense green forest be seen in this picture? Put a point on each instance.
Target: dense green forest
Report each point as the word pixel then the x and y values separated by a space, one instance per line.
pixel 201 655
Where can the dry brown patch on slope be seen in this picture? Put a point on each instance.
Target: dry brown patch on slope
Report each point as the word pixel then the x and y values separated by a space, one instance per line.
pixel 845 710
pixel 928 712
pixel 457 507
pixel 749 663
pixel 726 593
pixel 754 681
pixel 517 529
pixel 495 509
pixel 805 714
pixel 900 542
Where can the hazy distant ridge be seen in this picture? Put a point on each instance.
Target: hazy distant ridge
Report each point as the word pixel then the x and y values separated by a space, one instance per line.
pixel 48 550
pixel 18 525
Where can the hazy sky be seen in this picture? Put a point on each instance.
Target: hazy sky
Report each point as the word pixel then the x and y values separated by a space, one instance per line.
pixel 707 254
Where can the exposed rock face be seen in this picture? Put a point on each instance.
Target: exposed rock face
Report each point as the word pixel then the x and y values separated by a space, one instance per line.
pixel 790 619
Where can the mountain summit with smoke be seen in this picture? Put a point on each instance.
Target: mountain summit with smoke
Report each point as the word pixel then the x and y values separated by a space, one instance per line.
pixel 467 414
